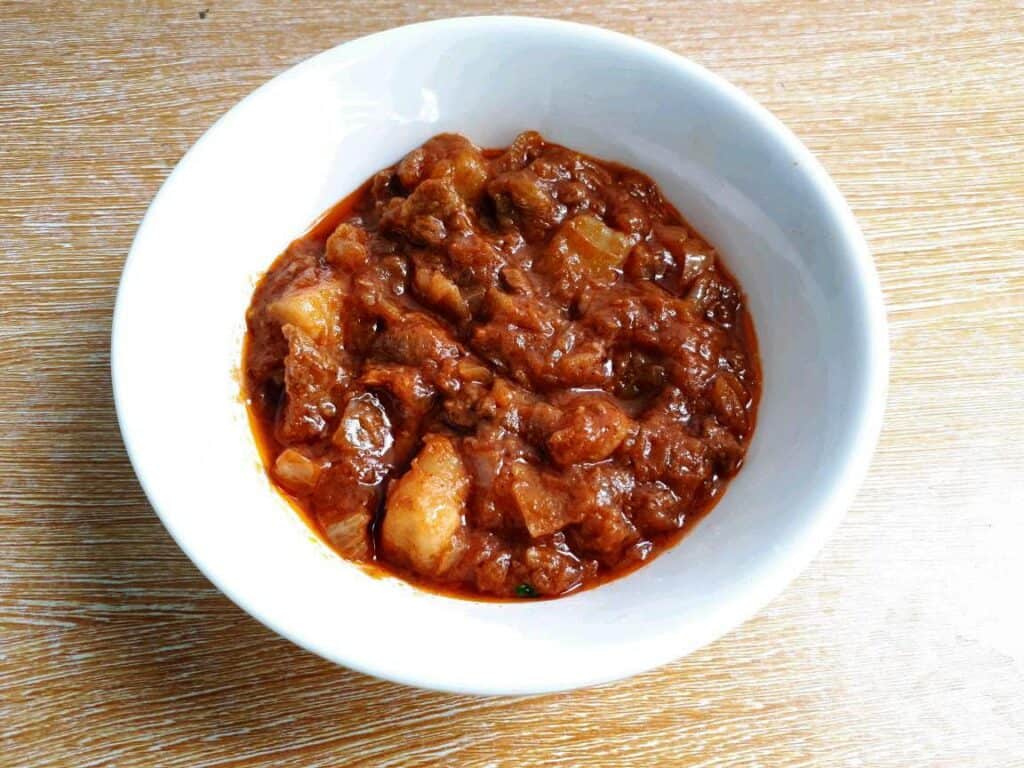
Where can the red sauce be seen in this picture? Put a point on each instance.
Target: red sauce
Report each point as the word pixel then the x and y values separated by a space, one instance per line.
pixel 501 374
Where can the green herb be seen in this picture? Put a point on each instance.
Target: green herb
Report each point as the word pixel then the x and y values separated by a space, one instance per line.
pixel 525 590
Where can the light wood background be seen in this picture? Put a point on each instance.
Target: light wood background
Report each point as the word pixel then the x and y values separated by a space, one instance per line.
pixel 903 644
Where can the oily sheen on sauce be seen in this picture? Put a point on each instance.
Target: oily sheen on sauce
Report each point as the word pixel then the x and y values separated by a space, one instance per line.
pixel 501 373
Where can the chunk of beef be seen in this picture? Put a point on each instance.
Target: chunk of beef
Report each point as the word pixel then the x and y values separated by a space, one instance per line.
pixel 313 382
pixel 591 429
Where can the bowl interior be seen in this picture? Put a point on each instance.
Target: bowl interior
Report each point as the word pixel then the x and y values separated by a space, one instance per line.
pixel 261 175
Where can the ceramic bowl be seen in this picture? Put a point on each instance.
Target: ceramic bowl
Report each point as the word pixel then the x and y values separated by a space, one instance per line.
pixel 270 166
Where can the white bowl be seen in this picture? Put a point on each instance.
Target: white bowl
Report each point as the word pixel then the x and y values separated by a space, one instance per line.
pixel 264 172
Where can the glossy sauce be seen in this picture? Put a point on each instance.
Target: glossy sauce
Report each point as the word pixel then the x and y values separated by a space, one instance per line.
pixel 529 339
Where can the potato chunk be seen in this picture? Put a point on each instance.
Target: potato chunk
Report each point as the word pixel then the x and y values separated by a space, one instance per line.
pixel 315 309
pixel 588 245
pixel 424 524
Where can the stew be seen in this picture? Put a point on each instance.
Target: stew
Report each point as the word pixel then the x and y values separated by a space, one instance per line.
pixel 511 373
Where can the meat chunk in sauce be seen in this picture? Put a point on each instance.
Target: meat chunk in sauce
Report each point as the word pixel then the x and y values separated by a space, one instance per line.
pixel 507 373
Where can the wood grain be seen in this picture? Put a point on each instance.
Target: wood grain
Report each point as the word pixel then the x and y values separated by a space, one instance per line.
pixel 903 645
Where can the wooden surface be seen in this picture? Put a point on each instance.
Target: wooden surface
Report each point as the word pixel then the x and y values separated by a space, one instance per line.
pixel 903 644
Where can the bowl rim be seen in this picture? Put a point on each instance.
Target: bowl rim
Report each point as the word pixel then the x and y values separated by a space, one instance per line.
pixel 849 475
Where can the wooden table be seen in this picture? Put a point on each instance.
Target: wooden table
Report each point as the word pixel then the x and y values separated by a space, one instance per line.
pixel 903 644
